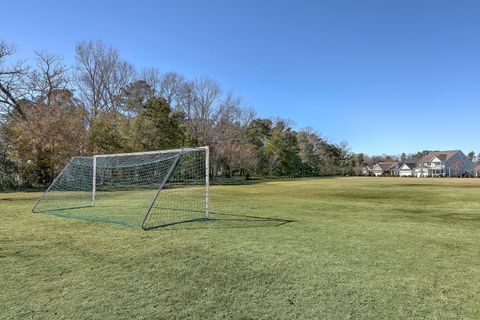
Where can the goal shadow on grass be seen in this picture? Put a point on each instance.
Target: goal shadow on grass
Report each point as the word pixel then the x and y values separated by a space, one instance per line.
pixel 217 220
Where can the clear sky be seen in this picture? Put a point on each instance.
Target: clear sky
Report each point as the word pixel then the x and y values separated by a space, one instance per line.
pixel 387 76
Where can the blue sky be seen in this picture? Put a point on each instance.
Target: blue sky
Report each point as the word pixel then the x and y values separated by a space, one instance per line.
pixel 386 76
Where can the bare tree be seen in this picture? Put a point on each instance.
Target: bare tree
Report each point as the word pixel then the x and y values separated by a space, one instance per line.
pixel 171 87
pixel 457 166
pixel 231 110
pixel 231 152
pixel 12 80
pixel 240 157
pixel 101 76
pixel 50 77
pixel 197 100
pixel 186 99
pixel 50 135
pixel 151 76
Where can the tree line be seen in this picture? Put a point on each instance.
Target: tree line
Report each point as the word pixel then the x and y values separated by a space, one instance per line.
pixel 51 111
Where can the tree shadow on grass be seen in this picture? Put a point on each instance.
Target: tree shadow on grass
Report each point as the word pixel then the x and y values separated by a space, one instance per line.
pixel 217 220
pixel 26 190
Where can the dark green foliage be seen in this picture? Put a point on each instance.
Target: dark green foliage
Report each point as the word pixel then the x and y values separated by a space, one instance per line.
pixel 8 169
pixel 283 144
pixel 135 96
pixel 158 127
pixel 154 127
pixel 105 135
pixel 471 155
pixel 259 132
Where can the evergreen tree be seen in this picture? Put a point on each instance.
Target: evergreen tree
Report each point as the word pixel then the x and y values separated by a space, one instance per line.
pixel 157 127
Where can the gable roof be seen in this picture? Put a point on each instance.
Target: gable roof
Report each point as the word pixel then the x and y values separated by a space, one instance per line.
pixel 366 168
pixel 386 166
pixel 407 161
pixel 409 165
pixel 442 155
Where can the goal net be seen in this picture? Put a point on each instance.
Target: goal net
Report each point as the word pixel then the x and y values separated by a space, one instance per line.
pixel 147 189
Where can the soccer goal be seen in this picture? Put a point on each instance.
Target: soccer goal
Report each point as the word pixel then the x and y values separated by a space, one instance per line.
pixel 147 189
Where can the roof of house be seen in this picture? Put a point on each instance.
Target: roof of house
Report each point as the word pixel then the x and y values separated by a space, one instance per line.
pixel 387 165
pixel 410 160
pixel 442 155
pixel 410 165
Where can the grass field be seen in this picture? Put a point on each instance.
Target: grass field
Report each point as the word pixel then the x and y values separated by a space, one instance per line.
pixel 339 248
pixel 128 208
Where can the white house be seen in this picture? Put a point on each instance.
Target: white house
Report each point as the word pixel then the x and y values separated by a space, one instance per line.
pixel 366 170
pixel 444 164
pixel 382 168
pixel 407 169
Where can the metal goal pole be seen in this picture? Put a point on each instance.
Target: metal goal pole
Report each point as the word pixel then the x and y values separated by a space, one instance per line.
pixel 207 179
pixel 94 180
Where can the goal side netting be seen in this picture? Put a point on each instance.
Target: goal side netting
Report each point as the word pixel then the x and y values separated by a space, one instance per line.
pixel 150 189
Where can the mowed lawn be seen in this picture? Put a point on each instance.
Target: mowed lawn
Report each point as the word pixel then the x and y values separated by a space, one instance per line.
pixel 332 248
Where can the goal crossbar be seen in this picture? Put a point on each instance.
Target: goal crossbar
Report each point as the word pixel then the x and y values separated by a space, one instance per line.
pixel 149 152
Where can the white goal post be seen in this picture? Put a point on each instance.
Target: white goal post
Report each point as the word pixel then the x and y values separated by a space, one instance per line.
pixel 168 186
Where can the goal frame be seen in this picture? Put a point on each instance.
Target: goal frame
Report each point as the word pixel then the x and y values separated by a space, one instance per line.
pixel 180 152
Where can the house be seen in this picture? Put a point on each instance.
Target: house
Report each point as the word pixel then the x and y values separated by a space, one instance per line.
pixel 406 168
pixel 385 168
pixel 366 170
pixel 444 164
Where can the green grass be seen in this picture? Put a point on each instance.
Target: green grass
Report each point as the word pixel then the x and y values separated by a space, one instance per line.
pixel 128 208
pixel 360 248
